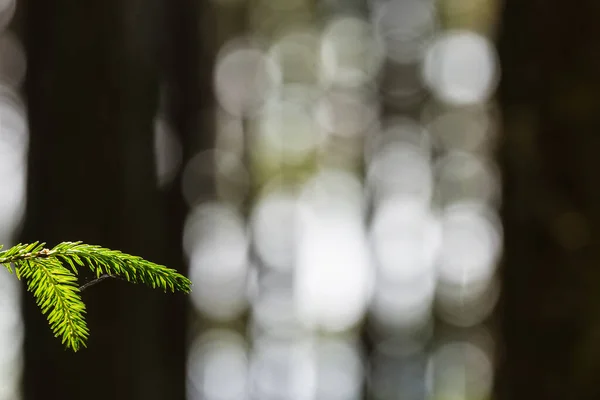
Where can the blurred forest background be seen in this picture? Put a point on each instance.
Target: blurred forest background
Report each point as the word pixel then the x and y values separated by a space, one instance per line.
pixel 374 199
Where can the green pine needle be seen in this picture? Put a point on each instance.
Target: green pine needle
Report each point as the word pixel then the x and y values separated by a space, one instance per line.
pixel 55 286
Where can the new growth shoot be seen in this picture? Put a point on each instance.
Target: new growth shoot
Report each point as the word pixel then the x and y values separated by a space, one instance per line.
pixel 51 275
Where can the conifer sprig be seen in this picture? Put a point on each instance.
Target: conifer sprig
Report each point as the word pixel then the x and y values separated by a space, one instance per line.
pixel 55 286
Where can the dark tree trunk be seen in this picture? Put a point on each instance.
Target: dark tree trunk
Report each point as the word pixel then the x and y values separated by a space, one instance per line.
pixel 551 306
pixel 92 94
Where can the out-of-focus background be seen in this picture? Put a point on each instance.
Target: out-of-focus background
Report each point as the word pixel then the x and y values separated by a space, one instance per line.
pixel 374 199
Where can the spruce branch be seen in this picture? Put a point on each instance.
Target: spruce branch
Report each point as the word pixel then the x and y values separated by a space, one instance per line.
pixel 55 286
pixel 56 293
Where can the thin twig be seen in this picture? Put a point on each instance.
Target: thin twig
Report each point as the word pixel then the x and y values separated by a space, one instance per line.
pixel 94 281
